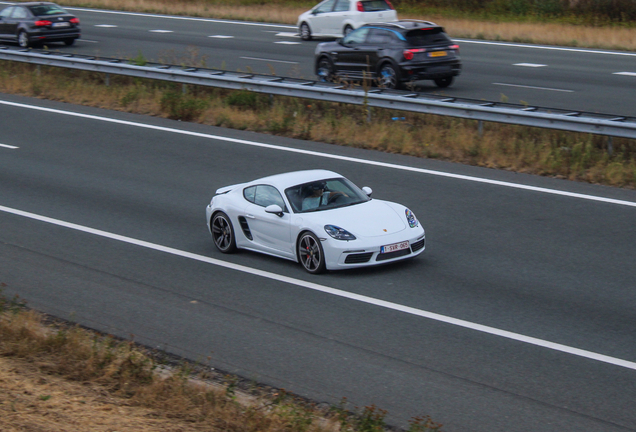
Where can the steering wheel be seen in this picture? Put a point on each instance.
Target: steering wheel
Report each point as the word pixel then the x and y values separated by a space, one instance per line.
pixel 335 196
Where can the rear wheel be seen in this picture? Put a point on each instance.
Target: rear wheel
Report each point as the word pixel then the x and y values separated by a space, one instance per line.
pixel 348 29
pixel 23 39
pixel 223 233
pixel 443 82
pixel 325 70
pixel 311 254
pixel 388 77
pixel 69 42
pixel 305 32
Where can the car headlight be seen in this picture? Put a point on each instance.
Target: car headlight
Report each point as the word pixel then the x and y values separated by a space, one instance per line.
pixel 410 217
pixel 339 233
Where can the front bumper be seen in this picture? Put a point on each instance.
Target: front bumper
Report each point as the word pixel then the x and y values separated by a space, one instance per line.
pixel 362 253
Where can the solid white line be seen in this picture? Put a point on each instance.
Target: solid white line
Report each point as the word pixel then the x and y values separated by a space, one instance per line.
pixel 547 47
pixel 534 88
pixel 269 60
pixel 8 146
pixel 333 291
pixel 327 155
pixel 534 65
pixel 625 73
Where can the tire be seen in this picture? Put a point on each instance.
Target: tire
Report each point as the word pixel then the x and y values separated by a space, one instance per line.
pixel 443 82
pixel 325 70
pixel 389 77
pixel 223 233
pixel 69 42
pixel 310 253
pixel 305 32
pixel 23 39
pixel 348 29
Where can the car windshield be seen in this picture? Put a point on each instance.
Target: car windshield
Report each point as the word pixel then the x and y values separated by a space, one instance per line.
pixel 324 195
pixel 43 10
pixel 427 36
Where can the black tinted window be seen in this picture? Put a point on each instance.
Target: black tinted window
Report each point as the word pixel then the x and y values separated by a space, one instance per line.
pixel 427 36
pixel 379 37
pixel 43 10
pixel 375 5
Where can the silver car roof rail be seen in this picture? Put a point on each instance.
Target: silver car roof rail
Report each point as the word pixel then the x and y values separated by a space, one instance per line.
pixel 420 21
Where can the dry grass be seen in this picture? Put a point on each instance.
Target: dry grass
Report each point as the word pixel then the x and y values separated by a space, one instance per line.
pixel 58 378
pixel 608 37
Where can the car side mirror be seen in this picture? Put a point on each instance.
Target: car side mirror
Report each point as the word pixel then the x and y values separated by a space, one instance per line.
pixel 367 190
pixel 274 209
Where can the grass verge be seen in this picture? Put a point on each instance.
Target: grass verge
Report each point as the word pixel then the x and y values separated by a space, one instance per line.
pixel 55 376
pixel 573 156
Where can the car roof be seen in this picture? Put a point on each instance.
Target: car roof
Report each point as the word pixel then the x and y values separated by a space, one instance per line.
pixel 285 180
pixel 404 24
pixel 34 3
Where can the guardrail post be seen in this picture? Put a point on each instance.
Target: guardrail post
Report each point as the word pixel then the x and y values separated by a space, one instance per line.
pixel 480 128
pixel 610 146
pixel 107 79
pixel 184 89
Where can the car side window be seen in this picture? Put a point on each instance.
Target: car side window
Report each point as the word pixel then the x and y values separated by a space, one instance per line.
pixel 268 195
pixel 325 7
pixel 20 12
pixel 356 36
pixel 6 13
pixel 342 6
pixel 248 193
pixel 378 37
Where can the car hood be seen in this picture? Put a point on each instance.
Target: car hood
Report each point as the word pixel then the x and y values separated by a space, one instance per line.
pixel 370 219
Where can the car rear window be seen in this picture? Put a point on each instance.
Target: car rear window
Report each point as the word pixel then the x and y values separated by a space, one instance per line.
pixel 427 36
pixel 43 10
pixel 375 5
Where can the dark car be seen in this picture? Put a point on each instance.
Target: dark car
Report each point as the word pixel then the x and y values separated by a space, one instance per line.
pixel 391 54
pixel 31 24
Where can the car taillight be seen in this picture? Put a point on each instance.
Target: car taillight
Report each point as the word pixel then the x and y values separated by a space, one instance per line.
pixel 390 5
pixel 42 23
pixel 74 21
pixel 454 47
pixel 410 53
pixel 360 6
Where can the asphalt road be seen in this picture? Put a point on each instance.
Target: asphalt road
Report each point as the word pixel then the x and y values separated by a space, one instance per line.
pixel 519 316
pixel 556 77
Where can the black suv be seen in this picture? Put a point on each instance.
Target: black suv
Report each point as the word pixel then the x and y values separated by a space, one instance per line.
pixel 391 54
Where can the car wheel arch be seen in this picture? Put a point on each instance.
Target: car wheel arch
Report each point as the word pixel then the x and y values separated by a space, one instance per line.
pixel 322 267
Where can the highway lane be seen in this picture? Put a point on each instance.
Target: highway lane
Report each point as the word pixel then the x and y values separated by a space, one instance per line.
pixel 565 78
pixel 542 265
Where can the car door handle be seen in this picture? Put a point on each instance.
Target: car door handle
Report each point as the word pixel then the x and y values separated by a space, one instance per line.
pixel 250 216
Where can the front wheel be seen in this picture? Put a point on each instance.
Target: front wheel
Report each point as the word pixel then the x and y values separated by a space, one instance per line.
pixel 443 82
pixel 311 254
pixel 305 32
pixel 223 233
pixel 389 77
pixel 325 70
pixel 23 39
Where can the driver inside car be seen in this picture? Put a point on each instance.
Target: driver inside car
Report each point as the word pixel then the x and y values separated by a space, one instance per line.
pixel 318 197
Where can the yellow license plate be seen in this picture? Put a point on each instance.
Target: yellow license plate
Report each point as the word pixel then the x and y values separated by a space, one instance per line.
pixel 437 54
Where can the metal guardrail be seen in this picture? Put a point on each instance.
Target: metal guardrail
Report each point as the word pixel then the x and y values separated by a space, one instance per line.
pixel 575 121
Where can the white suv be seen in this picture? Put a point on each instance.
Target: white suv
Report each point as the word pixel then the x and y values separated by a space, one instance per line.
pixel 336 18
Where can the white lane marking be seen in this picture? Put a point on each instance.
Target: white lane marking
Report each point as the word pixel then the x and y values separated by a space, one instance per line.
pixel 533 65
pixel 327 155
pixel 8 146
pixel 288 34
pixel 546 47
pixel 269 60
pixel 287 43
pixel 333 291
pixel 161 31
pixel 534 88
pixel 106 25
pixel 625 73
pixel 221 37
pixel 210 20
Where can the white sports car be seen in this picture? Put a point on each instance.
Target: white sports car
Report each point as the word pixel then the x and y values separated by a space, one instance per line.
pixel 317 218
